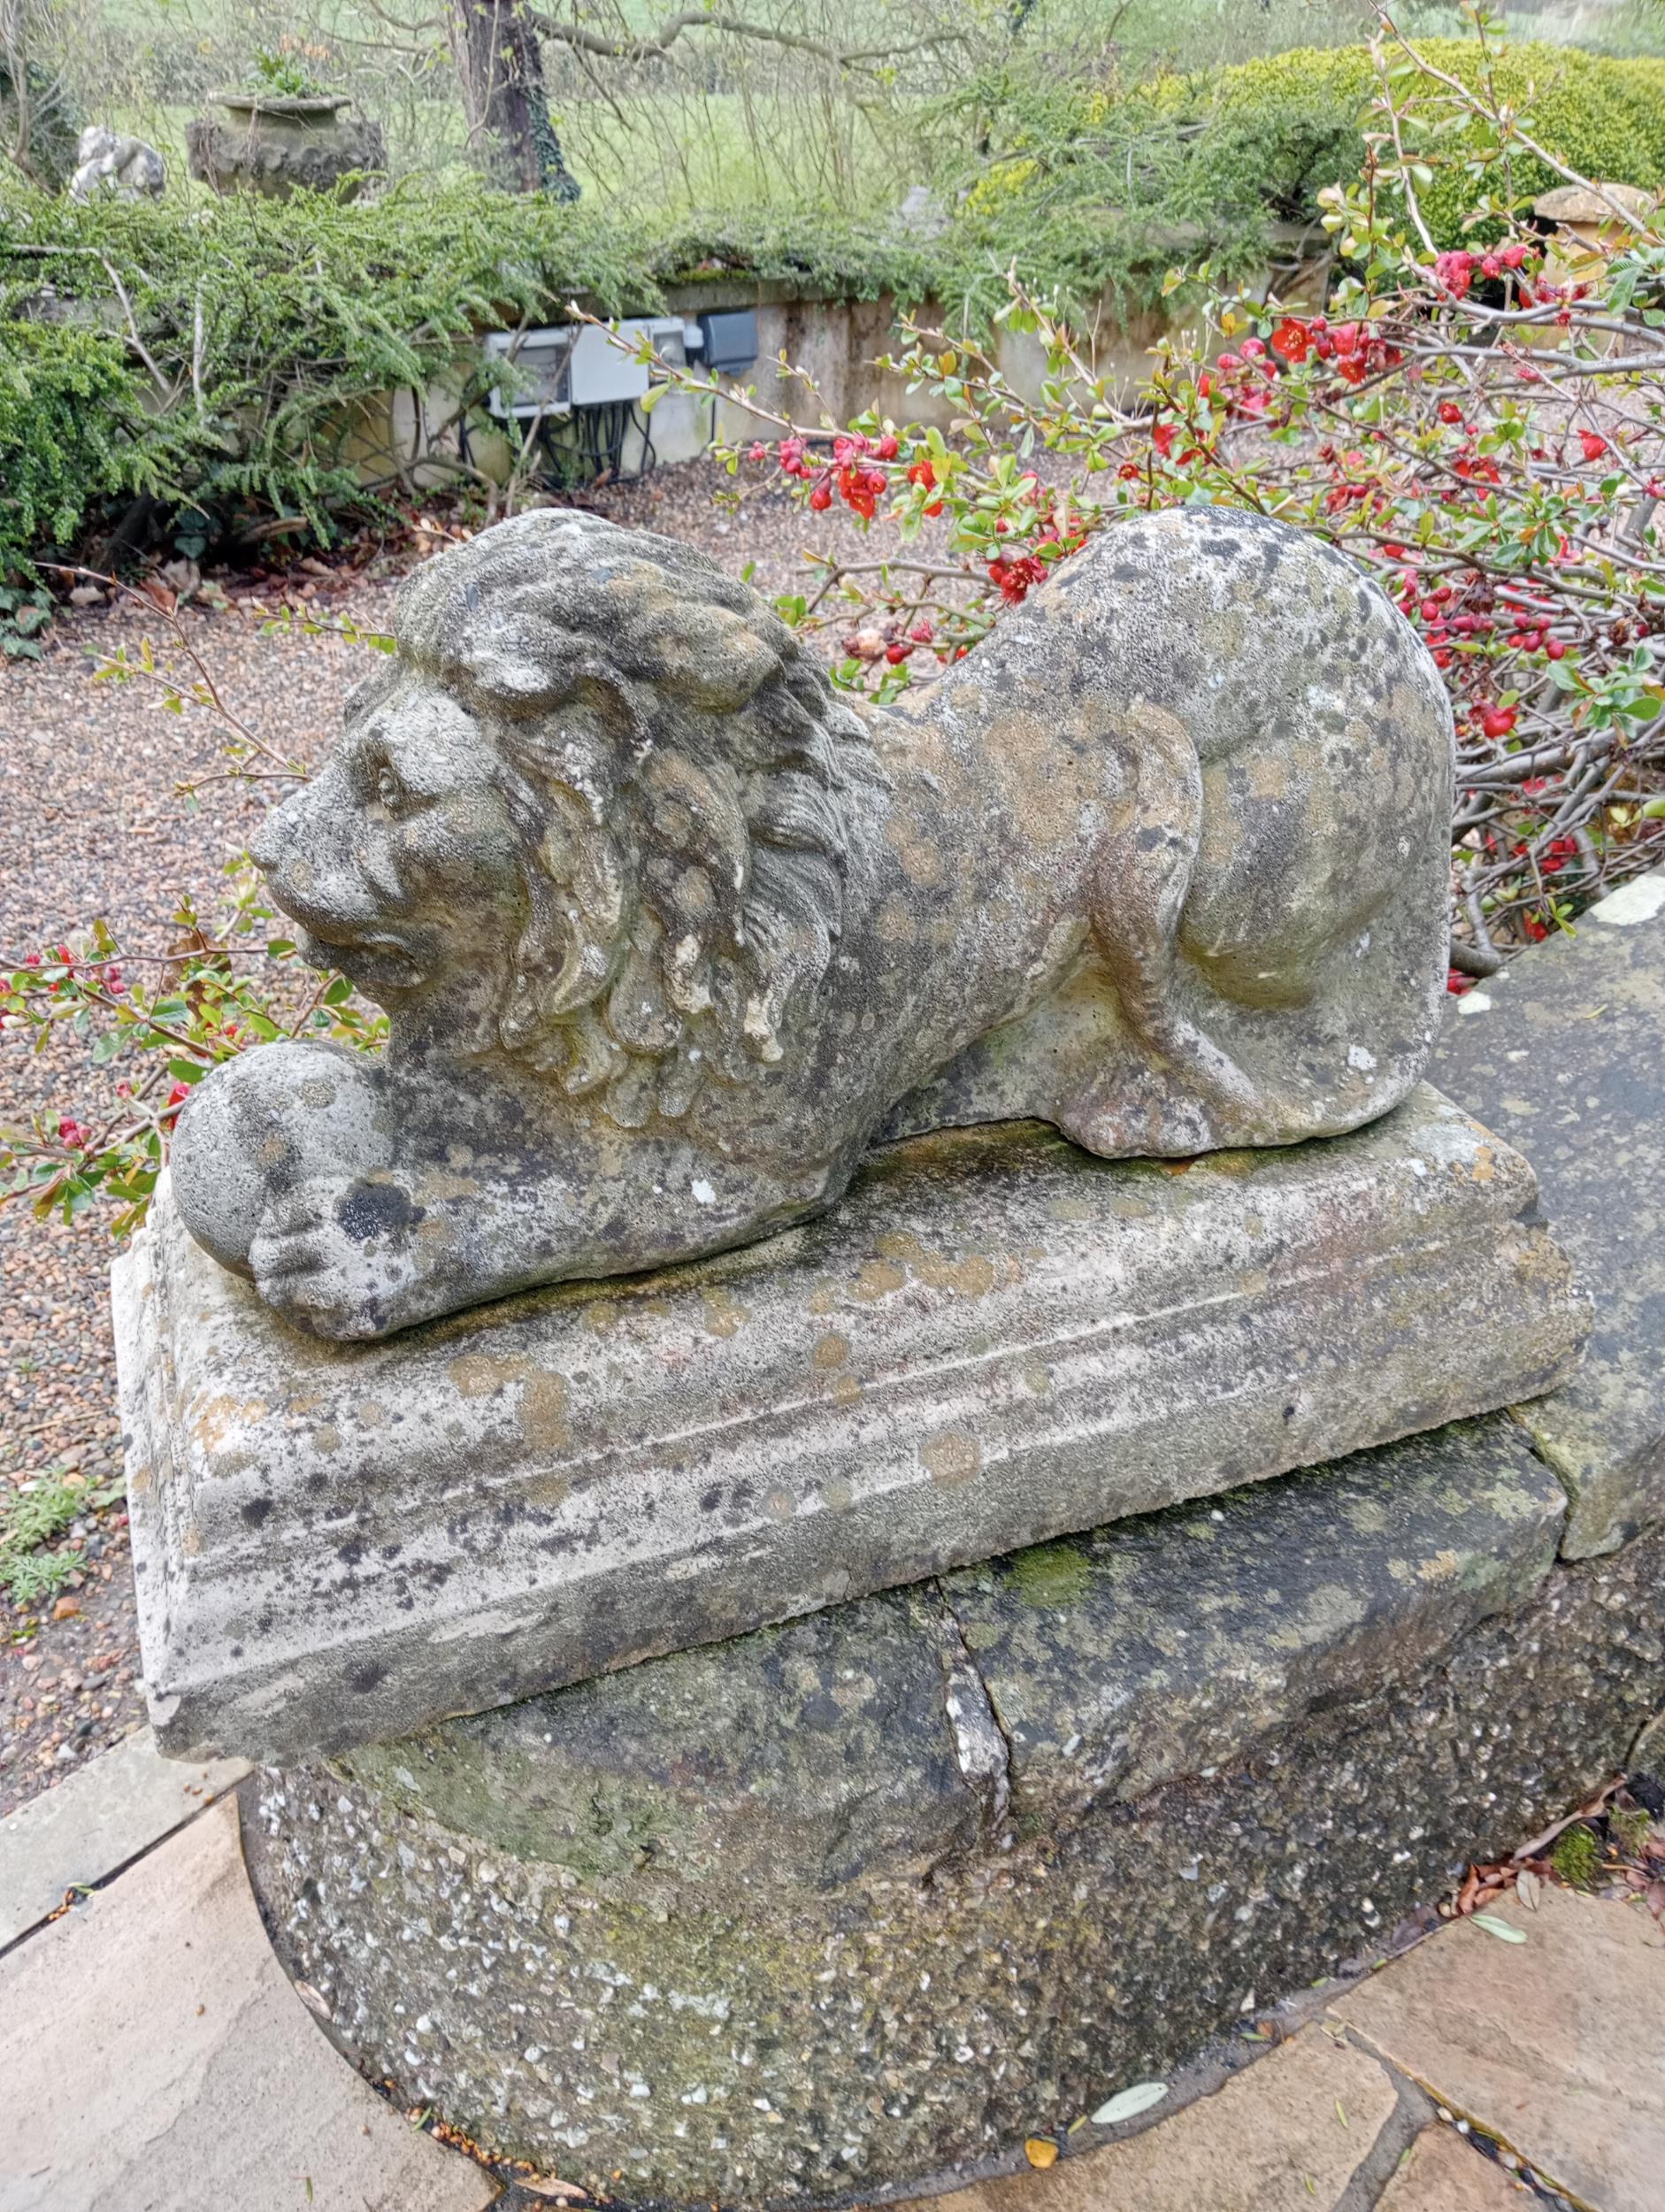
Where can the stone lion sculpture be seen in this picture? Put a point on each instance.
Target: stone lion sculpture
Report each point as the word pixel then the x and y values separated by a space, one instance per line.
pixel 668 932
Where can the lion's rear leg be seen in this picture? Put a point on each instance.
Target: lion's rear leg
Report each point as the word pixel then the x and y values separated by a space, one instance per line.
pixel 1178 1091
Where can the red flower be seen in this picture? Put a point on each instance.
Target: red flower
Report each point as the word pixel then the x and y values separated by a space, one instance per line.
pixel 1497 721
pixel 1593 444
pixel 1292 338
pixel 1455 273
pixel 1449 411
pixel 821 497
pixel 897 651
pixel 1016 576
pixel 887 449
pixel 1163 438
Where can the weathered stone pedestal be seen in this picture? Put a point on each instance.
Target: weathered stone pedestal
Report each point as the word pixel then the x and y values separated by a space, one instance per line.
pixel 996 1339
pixel 829 1909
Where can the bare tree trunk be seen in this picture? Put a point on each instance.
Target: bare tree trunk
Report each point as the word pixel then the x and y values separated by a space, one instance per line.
pixel 500 65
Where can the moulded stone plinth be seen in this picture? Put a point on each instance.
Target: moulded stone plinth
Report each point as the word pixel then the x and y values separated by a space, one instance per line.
pixel 996 1339
pixel 852 1901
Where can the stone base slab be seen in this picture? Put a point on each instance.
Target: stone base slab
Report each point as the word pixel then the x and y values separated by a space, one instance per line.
pixel 811 1916
pixel 1564 1054
pixel 996 1339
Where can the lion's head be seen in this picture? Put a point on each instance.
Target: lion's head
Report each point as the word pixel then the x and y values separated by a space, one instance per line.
pixel 595 811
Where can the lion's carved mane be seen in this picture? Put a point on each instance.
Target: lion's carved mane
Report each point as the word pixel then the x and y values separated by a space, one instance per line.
pixel 685 838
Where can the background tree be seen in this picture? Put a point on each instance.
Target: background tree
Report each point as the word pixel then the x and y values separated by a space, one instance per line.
pixel 499 58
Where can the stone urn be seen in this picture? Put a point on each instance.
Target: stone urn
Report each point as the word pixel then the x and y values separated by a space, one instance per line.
pixel 276 144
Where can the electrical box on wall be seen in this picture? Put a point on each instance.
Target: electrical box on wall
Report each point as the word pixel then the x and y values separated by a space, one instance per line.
pixel 730 338
pixel 576 365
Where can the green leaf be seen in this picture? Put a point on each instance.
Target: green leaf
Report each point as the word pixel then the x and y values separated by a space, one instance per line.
pixel 1128 2103
pixel 1500 1929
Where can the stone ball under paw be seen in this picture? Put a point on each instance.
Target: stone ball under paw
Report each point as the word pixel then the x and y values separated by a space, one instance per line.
pixel 261 1125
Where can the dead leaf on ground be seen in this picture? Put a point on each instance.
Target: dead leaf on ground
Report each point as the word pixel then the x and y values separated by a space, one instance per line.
pixel 1041 2152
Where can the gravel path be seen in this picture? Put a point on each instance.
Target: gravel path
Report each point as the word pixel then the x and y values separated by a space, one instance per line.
pixel 90 824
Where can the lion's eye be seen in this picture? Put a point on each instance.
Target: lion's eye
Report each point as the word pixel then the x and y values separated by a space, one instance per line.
pixel 389 790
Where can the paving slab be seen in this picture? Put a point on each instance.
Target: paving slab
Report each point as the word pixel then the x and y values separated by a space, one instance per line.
pixel 1286 2135
pixel 1552 2045
pixel 99 1820
pixel 1442 2172
pixel 155 2059
pixel 1563 1055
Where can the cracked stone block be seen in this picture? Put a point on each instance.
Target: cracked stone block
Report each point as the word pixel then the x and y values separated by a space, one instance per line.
pixel 1551 2044
pixel 1563 1054
pixel 1287 2134
pixel 795 1919
pixel 1443 2172
pixel 1161 1647
pixel 996 1338
pixel 155 2058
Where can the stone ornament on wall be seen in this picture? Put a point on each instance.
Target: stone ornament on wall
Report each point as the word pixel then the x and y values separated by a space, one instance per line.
pixel 110 163
pixel 670 932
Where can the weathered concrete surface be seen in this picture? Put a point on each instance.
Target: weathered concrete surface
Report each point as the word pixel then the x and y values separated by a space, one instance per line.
pixel 1552 2046
pixel 1288 2134
pixel 631 1949
pixel 153 2059
pixel 668 932
pixel 105 1814
pixel 1564 1055
pixel 996 1338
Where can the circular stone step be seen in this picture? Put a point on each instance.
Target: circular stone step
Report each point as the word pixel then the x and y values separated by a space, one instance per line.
pixel 842 1904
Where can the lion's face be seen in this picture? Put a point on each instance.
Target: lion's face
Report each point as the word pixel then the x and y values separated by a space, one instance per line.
pixel 594 815
pixel 401 860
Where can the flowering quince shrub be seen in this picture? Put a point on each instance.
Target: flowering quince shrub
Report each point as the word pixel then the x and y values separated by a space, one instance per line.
pixel 1482 429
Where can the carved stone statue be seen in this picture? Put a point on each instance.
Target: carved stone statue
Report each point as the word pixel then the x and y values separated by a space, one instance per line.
pixel 670 932
pixel 110 163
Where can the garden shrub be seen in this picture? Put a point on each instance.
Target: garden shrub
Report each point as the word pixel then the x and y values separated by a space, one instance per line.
pixel 1104 191
pixel 1278 130
pixel 72 426
pixel 265 326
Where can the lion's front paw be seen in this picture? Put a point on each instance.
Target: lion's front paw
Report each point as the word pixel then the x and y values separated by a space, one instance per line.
pixel 330 1258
